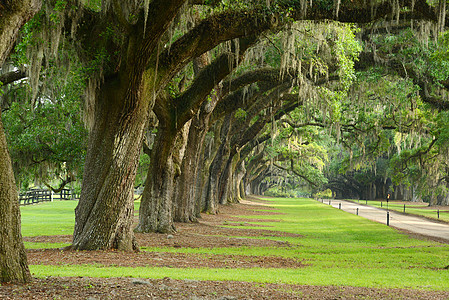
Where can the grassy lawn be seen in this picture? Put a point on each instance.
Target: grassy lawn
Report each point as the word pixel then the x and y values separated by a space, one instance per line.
pixel 339 249
pixel 48 218
pixel 419 209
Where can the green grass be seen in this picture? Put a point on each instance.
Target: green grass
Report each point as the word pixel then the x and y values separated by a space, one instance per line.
pixel 33 245
pixel 48 218
pixel 386 278
pixel 412 208
pixel 339 249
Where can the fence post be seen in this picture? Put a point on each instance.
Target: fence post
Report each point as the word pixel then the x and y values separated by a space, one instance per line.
pixel 381 202
pixel 438 212
pixel 404 207
pixel 357 211
pixel 388 218
pixel 35 195
pixel 339 205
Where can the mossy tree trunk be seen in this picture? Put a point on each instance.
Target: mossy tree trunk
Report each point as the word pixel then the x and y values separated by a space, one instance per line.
pixel 13 260
pixel 104 215
pixel 186 206
pixel 155 213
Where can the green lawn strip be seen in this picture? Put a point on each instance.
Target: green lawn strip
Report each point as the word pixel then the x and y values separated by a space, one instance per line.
pixel 412 208
pixel 289 239
pixel 357 257
pixel 385 278
pixel 33 245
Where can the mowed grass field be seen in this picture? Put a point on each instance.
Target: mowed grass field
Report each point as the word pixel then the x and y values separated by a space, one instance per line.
pixel 337 248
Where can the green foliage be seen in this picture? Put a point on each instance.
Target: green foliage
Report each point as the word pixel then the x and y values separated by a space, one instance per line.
pixel 277 191
pixel 327 194
pixel 142 170
pixel 47 138
pixel 92 4
pixel 46 142
pixel 27 39
pixel 59 7
pixel 240 114
pixel 385 119
pixel 346 50
pixel 439 59
pixel 298 154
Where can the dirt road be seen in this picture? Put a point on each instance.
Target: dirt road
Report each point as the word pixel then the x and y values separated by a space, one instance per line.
pixel 409 223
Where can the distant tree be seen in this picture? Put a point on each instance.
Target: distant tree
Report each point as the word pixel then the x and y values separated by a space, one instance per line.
pixel 46 137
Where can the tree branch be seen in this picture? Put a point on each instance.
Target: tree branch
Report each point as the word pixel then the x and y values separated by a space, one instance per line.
pixel 69 179
pixel 12 76
pixel 13 16
pixel 367 59
pixel 295 172
pixel 189 102
pixel 209 33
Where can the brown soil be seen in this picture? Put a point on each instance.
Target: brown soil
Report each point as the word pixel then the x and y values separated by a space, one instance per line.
pixel 207 233
pixel 133 288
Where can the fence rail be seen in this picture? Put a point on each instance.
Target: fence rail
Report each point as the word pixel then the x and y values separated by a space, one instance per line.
pixel 34 196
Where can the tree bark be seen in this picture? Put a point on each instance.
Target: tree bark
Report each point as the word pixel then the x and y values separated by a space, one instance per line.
pixel 155 213
pixel 211 148
pixel 186 208
pixel 13 260
pixel 104 215
pixel 217 166
pixel 187 205
pixel 13 15
pixel 236 192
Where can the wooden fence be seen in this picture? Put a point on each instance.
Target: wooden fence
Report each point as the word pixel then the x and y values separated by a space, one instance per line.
pixel 67 194
pixel 34 196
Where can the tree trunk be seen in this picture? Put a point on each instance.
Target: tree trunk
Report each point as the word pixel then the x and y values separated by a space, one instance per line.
pixel 224 182
pixel 155 212
pixel 186 208
pixel 104 215
pixel 203 175
pixel 13 260
pixel 242 189
pixel 235 175
pixel 237 184
pixel 13 15
pixel 215 171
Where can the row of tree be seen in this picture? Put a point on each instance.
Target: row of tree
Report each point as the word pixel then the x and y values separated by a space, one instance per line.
pixel 221 95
